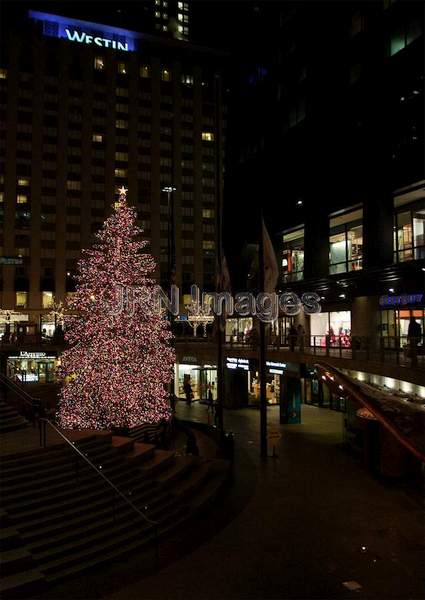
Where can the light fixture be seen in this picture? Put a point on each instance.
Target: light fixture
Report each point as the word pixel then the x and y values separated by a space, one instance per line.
pixel 299 202
pixel 423 268
pixel 391 290
pixel 342 296
pixel 322 298
pixel 169 188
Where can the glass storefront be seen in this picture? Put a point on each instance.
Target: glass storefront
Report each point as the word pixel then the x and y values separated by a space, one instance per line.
pixel 409 231
pixel 293 255
pixel 346 242
pixel 273 383
pixel 335 325
pixel 32 367
pixel 201 378
pixel 238 330
pixel 395 324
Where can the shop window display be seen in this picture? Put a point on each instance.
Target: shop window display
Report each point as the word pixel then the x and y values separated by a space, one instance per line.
pixel 395 325
pixel 239 330
pixel 293 255
pixel 346 242
pixel 332 326
pixel 409 232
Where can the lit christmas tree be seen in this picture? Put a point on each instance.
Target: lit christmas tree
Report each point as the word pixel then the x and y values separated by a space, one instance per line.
pixel 120 361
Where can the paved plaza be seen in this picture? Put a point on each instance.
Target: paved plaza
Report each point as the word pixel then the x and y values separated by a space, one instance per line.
pixel 305 524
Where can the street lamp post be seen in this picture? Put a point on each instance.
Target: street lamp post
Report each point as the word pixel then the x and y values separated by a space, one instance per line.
pixel 169 190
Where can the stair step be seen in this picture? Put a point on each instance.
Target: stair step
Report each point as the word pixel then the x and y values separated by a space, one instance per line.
pixel 71 503
pixel 112 553
pixel 159 460
pixel 140 452
pixel 58 466
pixel 9 538
pixel 14 561
pixel 182 466
pixel 123 444
pixel 26 582
pixel 45 485
pixel 90 519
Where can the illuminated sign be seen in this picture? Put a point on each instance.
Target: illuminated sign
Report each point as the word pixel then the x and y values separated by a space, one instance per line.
pixel 84 32
pixel 238 363
pixel 402 300
pixel 33 355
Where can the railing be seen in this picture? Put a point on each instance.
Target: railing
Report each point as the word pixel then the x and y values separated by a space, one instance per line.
pixel 30 407
pixel 116 491
pixel 401 350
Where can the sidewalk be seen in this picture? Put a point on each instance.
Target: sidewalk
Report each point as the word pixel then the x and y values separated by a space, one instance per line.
pixel 314 520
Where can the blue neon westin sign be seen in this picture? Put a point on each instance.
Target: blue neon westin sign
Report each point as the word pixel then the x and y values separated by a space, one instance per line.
pixel 84 32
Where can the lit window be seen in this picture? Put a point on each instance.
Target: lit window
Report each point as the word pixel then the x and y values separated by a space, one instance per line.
pixel 121 124
pixel 180 16
pixel 21 299
pixel 293 255
pixel 187 79
pixel 164 28
pixel 46 299
pixel 3 73
pixel 180 28
pixel 158 2
pixel 165 75
pixel 121 156
pixel 208 245
pixel 122 68
pixel 120 173
pixel 24 181
pixel 185 6
pixel 97 137
pixel 165 16
pixel 165 4
pixel 99 63
pixel 21 199
pixel 207 136
pixel 346 242
pixel 145 71
pixel 409 230
pixel 208 213
pixel 73 185
pixel 157 14
pixel 180 5
pixel 1 196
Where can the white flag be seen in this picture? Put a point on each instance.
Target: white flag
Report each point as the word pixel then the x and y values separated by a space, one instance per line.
pixel 271 269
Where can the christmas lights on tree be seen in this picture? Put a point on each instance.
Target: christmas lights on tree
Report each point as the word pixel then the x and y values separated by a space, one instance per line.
pixel 120 360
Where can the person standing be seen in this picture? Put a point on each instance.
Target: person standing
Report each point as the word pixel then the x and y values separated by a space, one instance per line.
pixel 188 392
pixel 292 337
pixel 414 333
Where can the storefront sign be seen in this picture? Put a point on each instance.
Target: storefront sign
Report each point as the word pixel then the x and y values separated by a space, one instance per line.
pixel 190 360
pixel 84 32
pixel 33 355
pixel 238 363
pixel 402 300
pixel 278 365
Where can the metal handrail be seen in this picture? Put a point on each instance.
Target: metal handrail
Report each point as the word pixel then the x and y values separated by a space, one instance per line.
pixel 108 481
pixel 29 401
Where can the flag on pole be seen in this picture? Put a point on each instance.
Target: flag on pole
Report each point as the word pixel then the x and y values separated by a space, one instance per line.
pixel 271 269
pixel 223 283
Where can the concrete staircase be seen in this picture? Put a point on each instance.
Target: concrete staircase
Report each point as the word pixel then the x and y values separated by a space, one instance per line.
pixel 58 516
pixel 10 419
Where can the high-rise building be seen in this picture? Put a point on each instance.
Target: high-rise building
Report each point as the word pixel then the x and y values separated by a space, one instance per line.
pixel 87 107
pixel 336 151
